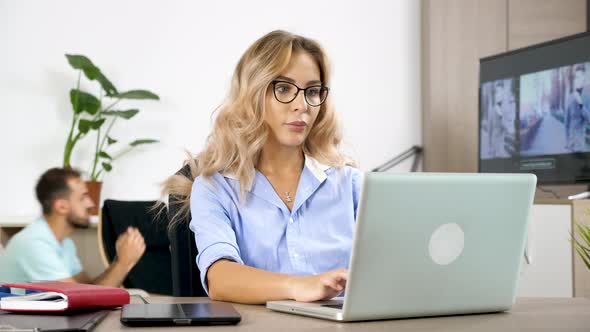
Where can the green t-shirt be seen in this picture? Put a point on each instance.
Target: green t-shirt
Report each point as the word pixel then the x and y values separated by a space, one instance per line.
pixel 34 254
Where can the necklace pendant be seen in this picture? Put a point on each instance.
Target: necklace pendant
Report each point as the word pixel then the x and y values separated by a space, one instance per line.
pixel 288 197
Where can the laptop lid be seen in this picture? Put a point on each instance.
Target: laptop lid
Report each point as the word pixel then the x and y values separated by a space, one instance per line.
pixel 84 322
pixel 437 244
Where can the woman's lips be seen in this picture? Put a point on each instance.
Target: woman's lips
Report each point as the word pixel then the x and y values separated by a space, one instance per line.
pixel 297 126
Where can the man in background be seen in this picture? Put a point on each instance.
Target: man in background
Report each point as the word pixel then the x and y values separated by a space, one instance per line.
pixel 43 251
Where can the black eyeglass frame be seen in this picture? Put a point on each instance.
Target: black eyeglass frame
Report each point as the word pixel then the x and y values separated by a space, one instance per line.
pixel 274 92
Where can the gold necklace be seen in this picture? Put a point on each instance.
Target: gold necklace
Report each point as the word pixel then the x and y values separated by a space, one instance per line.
pixel 288 198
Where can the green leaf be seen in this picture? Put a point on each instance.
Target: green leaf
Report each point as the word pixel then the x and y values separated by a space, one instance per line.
pixel 107 167
pixel 78 61
pixel 143 141
pixel 586 232
pixel 84 102
pixel 83 63
pixel 84 126
pixel 96 124
pixel 106 85
pixel 584 249
pixel 137 94
pixel 105 155
pixel 92 72
pixel 586 260
pixel 128 114
pixel 111 140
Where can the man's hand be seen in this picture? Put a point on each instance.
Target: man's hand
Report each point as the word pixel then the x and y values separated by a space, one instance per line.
pixel 130 247
pixel 322 286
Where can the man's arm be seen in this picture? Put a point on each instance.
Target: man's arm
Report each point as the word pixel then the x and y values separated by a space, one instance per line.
pixel 113 276
pixel 130 247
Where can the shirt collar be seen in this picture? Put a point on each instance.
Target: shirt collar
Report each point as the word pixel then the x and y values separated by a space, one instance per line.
pixel 317 169
pixel 50 236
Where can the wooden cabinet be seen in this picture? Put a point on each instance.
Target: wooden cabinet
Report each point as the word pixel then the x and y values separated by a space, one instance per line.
pixel 455 35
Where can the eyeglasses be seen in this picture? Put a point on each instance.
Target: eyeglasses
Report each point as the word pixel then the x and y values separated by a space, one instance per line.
pixel 286 92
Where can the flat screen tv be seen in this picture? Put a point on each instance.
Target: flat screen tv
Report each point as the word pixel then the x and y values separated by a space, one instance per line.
pixel 534 111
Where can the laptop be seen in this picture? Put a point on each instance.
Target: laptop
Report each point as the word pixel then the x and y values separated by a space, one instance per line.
pixel 429 244
pixel 83 322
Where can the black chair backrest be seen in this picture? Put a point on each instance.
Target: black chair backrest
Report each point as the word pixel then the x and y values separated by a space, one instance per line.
pixel 152 273
pixel 186 280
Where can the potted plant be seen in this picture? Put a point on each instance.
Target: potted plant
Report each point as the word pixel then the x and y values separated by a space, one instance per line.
pixel 90 115
pixel 582 246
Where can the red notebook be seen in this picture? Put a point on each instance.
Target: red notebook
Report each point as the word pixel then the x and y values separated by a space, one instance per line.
pixel 64 296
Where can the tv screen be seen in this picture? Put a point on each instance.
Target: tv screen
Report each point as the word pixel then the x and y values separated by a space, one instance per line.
pixel 534 111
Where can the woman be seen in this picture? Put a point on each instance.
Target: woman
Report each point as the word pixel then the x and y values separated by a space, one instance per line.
pixel 273 202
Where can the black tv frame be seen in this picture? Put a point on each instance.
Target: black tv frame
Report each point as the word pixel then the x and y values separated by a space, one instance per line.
pixel 536 67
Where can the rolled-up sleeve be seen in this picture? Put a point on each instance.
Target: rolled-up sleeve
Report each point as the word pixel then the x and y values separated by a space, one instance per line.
pixel 214 235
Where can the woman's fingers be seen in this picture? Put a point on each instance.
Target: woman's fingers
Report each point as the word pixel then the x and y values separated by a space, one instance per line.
pixel 335 280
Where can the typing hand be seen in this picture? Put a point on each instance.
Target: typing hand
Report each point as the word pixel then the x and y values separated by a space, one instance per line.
pixel 130 247
pixel 322 286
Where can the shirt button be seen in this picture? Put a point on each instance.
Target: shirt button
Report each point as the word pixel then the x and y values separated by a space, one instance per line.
pixel 291 220
pixel 296 255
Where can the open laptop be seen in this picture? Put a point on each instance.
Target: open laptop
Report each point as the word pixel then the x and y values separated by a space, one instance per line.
pixel 71 322
pixel 430 244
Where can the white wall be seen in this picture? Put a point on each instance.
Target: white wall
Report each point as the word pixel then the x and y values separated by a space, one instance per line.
pixel 186 51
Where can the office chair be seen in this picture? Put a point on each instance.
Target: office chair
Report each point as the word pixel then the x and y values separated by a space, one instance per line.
pixel 152 273
pixel 186 280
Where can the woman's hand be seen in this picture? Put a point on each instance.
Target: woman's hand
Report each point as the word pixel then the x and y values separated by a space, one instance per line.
pixel 322 286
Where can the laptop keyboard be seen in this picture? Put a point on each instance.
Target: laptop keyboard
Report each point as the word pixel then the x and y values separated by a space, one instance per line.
pixel 335 306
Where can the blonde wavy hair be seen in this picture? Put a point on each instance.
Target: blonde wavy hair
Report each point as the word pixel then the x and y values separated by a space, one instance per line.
pixel 239 131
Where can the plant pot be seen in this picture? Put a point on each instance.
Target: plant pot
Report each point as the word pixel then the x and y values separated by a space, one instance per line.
pixel 94 188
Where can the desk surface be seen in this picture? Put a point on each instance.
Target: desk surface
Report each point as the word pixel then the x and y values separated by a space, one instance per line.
pixel 531 314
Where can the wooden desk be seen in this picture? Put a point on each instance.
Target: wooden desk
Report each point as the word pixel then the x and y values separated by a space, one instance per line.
pixel 543 314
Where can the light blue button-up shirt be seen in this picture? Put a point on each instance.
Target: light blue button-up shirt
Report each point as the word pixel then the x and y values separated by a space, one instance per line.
pixel 315 237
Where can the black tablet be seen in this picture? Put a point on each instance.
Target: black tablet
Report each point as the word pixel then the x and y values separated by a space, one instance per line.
pixel 157 314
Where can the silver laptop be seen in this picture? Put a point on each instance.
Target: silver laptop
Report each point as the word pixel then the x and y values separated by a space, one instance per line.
pixel 431 244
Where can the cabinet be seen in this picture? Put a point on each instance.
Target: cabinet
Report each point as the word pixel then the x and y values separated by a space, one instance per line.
pixel 554 269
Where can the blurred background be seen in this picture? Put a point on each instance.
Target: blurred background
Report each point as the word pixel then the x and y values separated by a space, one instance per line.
pixel 185 52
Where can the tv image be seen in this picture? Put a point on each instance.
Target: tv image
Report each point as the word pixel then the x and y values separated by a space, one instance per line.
pixel 498 116
pixel 534 111
pixel 555 111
